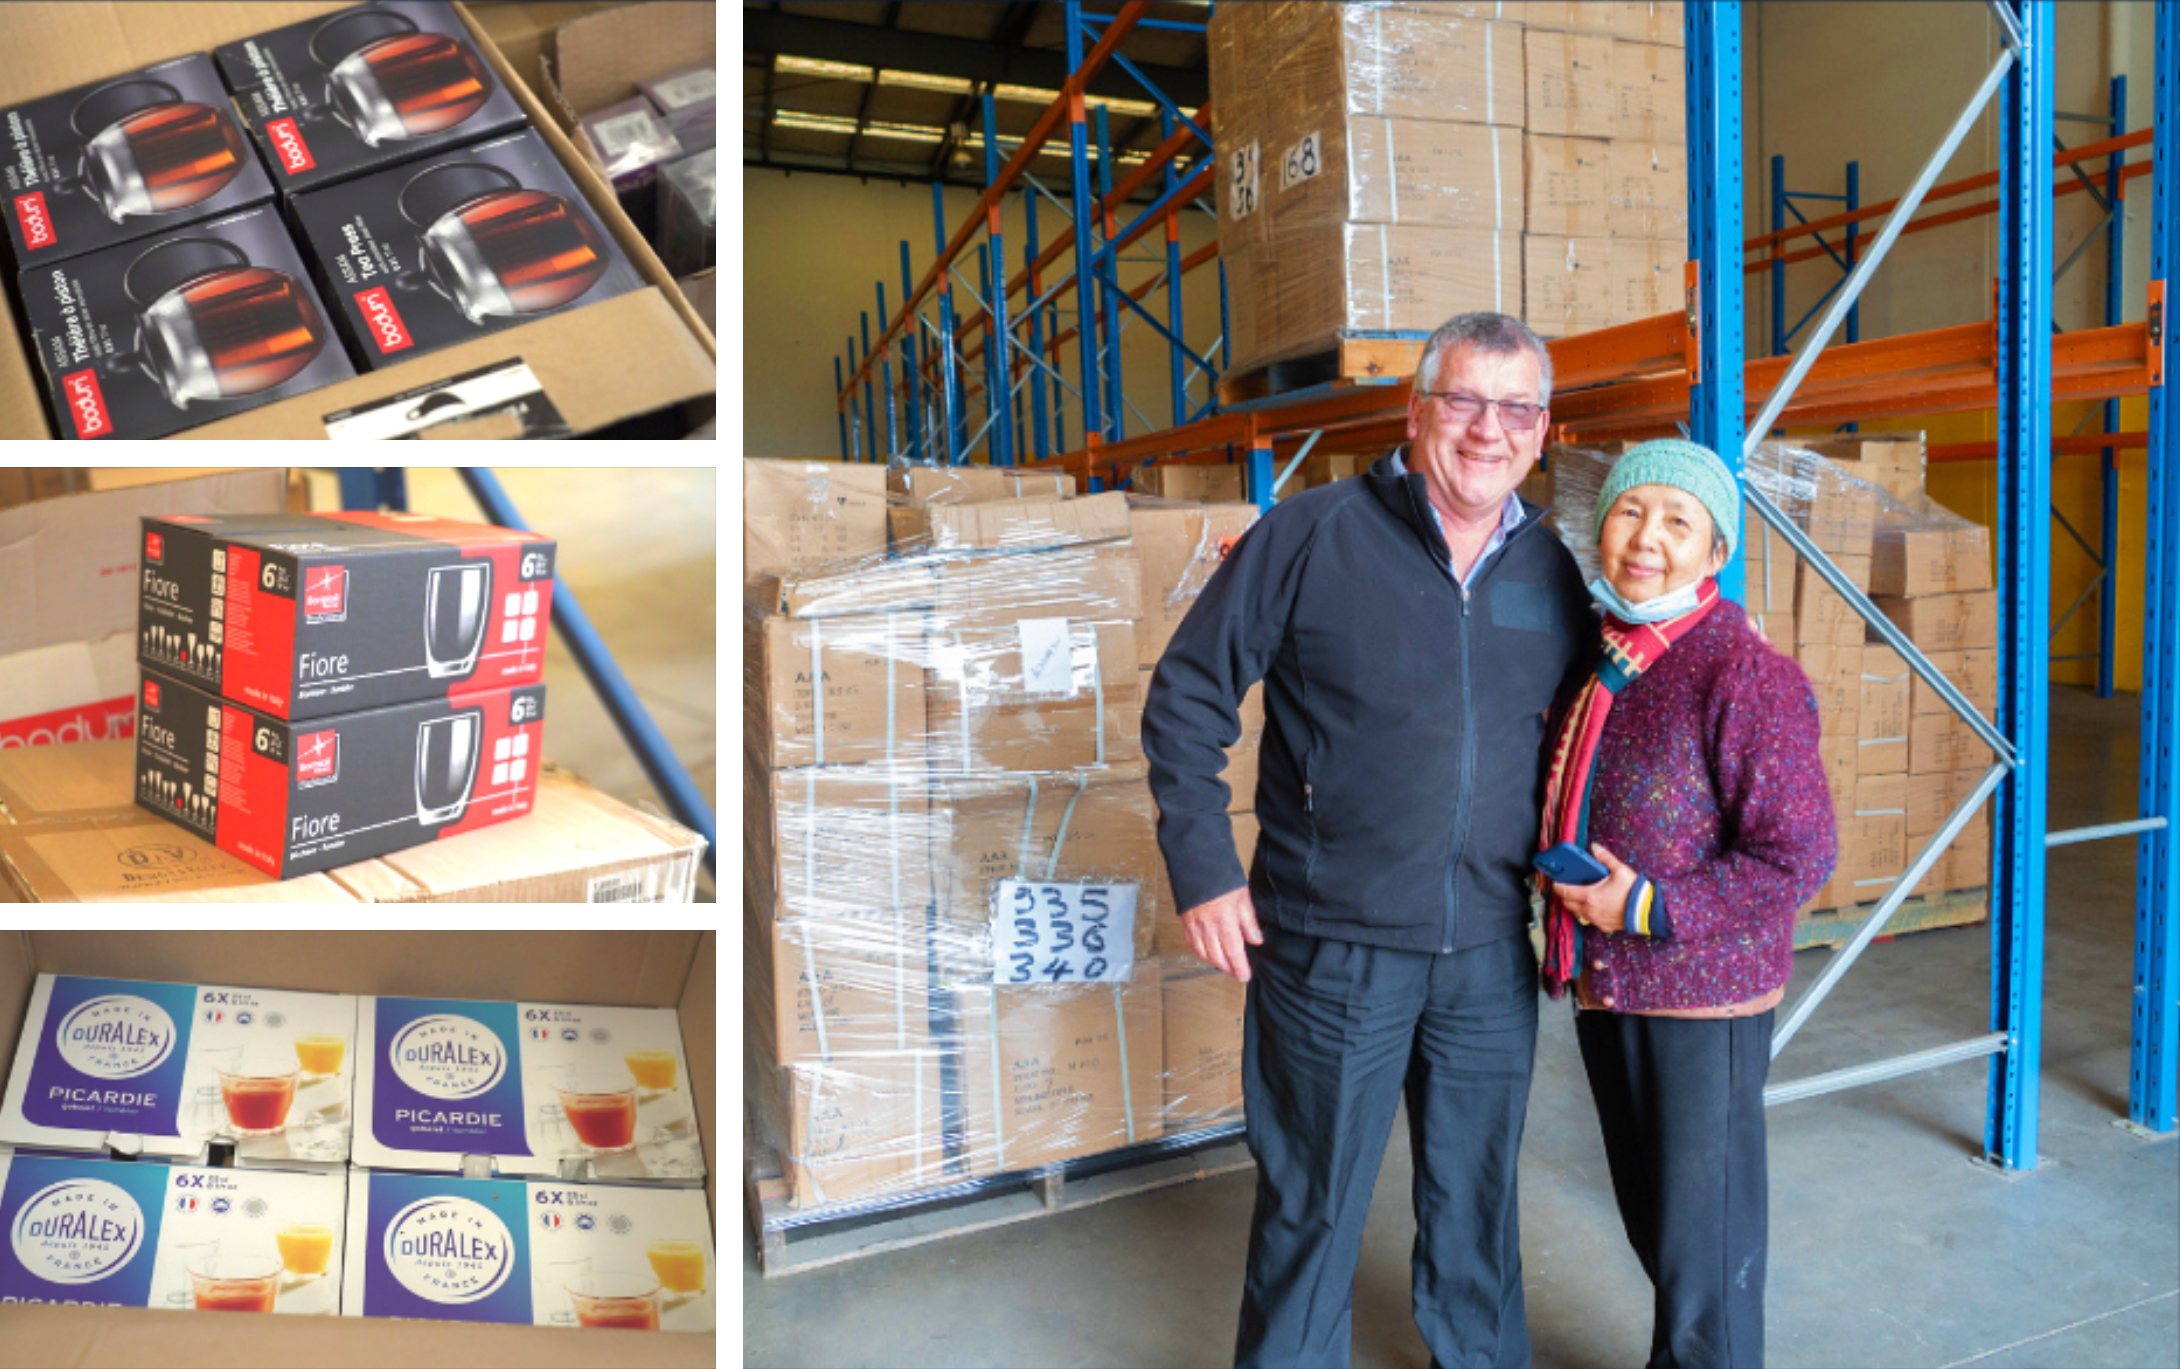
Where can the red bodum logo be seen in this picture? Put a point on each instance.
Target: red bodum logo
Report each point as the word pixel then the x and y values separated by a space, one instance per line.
pixel 37 224
pixel 287 141
pixel 382 321
pixel 86 405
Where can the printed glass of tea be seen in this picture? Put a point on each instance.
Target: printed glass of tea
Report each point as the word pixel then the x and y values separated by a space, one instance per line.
pixel 602 1110
pixel 617 1302
pixel 258 1091
pixel 235 1283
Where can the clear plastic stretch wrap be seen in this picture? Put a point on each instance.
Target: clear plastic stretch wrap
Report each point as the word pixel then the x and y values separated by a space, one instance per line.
pixel 954 890
pixel 1897 757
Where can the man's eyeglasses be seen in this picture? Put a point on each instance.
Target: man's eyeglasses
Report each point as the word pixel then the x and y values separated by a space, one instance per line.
pixel 1515 415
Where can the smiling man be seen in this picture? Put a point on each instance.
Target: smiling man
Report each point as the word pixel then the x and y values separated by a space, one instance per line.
pixel 1411 628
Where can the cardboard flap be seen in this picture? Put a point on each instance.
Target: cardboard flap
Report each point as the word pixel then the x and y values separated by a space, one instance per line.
pixel 598 59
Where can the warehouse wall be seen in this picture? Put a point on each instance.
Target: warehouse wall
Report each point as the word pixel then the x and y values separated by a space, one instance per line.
pixel 813 248
pixel 1881 83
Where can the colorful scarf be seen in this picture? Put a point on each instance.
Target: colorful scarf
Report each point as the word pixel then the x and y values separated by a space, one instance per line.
pixel 1630 649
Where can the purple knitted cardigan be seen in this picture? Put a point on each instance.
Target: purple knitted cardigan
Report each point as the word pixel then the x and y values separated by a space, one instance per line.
pixel 1709 783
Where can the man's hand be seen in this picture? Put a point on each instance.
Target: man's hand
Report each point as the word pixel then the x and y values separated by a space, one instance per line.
pixel 1216 931
pixel 1602 905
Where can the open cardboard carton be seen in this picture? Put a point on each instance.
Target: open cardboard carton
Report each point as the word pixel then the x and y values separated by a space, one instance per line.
pixel 598 364
pixel 675 970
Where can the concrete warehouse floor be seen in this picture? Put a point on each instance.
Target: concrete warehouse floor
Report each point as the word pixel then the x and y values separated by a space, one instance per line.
pixel 1889 1247
pixel 640 549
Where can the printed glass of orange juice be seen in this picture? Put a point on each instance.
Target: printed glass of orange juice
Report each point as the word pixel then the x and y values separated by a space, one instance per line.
pixel 305 1247
pixel 679 1265
pixel 321 1054
pixel 653 1070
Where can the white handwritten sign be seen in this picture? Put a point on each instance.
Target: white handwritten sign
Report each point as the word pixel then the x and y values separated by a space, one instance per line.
pixel 1245 176
pixel 1048 658
pixel 1063 933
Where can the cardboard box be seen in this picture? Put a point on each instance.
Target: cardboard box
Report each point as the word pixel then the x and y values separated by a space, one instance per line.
pixel 1322 468
pixel 1646 189
pixel 1872 855
pixel 1841 519
pixel 1822 614
pixel 1038 694
pixel 1835 677
pixel 69 692
pixel 147 338
pixel 977 484
pixel 1940 742
pixel 1966 863
pixel 1570 186
pixel 1180 547
pixel 1413 171
pixel 361 89
pixel 578 1091
pixel 1634 21
pixel 1573 285
pixel 94 1232
pixel 1919 561
pixel 305 617
pixel 1973 673
pixel 1101 581
pixel 1204 484
pixel 571 372
pixel 1892 461
pixel 859 1126
pixel 1946 622
pixel 294 798
pixel 130 154
pixel 831 842
pixel 1202 1023
pixel 1649 87
pixel 1881 724
pixel 1842 758
pixel 869 670
pixel 1070 1070
pixel 1011 524
pixel 801 513
pixel 1932 798
pixel 1569 78
pixel 665 969
pixel 823 987
pixel 1883 795
pixel 433 1247
pixel 163 1070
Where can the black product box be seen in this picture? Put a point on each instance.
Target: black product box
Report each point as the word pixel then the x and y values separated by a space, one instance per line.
pixel 295 797
pixel 364 88
pixel 148 338
pixel 122 159
pixel 456 246
pixel 299 616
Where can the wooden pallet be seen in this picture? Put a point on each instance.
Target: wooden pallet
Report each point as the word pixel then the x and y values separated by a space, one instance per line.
pixel 783 1250
pixel 1837 926
pixel 1353 361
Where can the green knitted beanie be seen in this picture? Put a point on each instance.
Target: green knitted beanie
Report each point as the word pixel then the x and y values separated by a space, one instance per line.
pixel 1684 466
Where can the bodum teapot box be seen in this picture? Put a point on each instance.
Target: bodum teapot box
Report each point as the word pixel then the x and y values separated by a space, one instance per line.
pixel 364 87
pixel 151 337
pixel 302 616
pixel 118 159
pixel 133 1067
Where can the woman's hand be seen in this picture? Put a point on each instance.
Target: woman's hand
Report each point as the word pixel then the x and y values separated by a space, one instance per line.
pixel 1602 905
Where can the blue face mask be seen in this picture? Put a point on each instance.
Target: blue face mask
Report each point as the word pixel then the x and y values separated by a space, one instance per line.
pixel 1669 605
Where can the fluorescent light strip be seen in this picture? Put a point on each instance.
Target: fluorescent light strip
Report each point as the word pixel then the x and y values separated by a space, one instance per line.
pixel 915 133
pixel 951 85
pixel 810 66
pixel 816 123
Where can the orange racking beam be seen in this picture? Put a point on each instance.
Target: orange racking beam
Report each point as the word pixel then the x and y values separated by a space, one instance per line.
pixel 2076 445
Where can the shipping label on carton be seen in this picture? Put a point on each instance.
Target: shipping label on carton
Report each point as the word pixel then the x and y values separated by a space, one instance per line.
pixel 542 1088
pixel 305 615
pixel 588 1257
pixel 178 1065
pixel 99 1233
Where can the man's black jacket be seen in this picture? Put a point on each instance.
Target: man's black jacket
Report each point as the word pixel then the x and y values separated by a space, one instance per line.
pixel 1402 768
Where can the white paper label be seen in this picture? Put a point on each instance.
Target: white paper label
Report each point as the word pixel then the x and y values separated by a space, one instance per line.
pixel 626 886
pixel 1301 162
pixel 623 131
pixel 1064 933
pixel 692 88
pixel 1048 658
pixel 1243 171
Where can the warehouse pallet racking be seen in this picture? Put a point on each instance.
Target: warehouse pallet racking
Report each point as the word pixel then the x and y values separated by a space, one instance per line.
pixel 1651 376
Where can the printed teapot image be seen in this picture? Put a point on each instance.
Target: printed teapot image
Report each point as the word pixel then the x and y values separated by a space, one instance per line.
pixel 163 1070
pixel 567 1091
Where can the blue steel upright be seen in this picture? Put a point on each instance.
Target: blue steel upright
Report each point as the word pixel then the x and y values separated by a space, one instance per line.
pixel 1086 207
pixel 1171 182
pixel 950 415
pixel 870 390
pixel 839 384
pixel 885 381
pixel 1038 384
pixel 1715 402
pixel 998 335
pixel 2115 276
pixel 2024 587
pixel 1105 268
pixel 2152 1086
pixel 908 362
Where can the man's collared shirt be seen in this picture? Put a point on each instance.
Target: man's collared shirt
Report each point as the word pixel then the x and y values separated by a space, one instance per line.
pixel 1510 518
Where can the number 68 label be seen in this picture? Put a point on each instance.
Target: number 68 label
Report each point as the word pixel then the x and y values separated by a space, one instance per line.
pixel 1063 933
pixel 1301 162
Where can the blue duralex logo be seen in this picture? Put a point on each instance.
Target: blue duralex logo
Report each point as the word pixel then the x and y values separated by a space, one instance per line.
pixel 448 1250
pixel 76 1232
pixel 445 1056
pixel 117 1036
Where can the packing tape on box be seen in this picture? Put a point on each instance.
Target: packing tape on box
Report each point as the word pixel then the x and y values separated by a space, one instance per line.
pixel 999 1105
pixel 1392 179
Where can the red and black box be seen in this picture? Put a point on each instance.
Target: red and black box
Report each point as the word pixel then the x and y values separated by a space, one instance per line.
pixel 292 798
pixel 302 616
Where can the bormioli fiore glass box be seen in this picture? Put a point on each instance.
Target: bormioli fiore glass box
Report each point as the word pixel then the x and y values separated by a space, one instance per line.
pixel 559 1090
pixel 163 1070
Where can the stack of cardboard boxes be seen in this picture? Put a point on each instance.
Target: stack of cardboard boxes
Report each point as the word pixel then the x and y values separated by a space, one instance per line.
pixel 952 877
pixel 1385 166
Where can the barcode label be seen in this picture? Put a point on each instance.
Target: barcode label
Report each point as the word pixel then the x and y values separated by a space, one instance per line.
pixel 683 91
pixel 628 886
pixel 623 131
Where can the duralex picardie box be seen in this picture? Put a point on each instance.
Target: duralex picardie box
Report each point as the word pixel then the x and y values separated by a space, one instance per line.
pixel 152 337
pixel 589 1257
pixel 306 615
pixel 142 153
pixel 562 1090
pixel 145 1068
pixel 361 88
pixel 292 798
pixel 174 1237
pixel 455 246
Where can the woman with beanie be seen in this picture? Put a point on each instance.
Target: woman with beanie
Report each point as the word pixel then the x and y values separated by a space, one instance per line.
pixel 1688 770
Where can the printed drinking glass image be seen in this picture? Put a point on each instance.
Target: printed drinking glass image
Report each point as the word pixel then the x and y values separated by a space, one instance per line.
pixel 321 1056
pixel 306 1248
pixel 446 765
pixel 554 1279
pixel 679 1265
pixel 258 1091
pixel 602 1110
pixel 457 602
pixel 235 1283
pixel 179 1258
pixel 652 1070
pixel 617 1302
